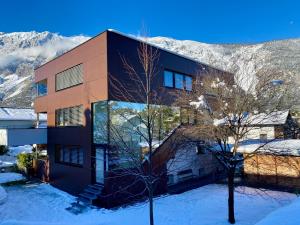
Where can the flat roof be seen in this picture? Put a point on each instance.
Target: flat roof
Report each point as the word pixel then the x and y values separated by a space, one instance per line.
pixel 139 40
pixel 20 114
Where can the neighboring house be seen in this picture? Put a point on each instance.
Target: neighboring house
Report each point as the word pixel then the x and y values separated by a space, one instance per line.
pixel 275 125
pixel 19 126
pixel 271 150
pixel 276 164
pixel 74 91
pixel 194 163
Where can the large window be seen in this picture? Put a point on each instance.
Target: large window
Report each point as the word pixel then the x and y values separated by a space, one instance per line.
pixel 178 80
pixel 188 83
pixel 41 88
pixel 69 154
pixel 128 131
pixel 68 78
pixel 72 116
pixel 168 79
pixel 100 122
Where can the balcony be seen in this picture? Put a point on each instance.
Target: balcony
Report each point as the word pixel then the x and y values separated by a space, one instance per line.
pixel 23 136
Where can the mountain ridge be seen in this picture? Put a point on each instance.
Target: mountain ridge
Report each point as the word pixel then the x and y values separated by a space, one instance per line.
pixel 21 52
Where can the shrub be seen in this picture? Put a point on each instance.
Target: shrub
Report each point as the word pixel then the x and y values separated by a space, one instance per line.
pixel 24 161
pixel 3 149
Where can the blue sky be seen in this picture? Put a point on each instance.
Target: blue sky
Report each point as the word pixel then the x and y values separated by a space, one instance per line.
pixel 227 21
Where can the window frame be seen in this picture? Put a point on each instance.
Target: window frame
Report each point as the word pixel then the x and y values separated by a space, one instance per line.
pixel 60 153
pixel 185 84
pixel 37 88
pixel 174 73
pixel 57 90
pixel 62 113
pixel 172 77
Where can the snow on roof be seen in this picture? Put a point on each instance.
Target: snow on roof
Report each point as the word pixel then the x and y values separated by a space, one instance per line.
pixel 20 114
pixel 278 147
pixel 273 118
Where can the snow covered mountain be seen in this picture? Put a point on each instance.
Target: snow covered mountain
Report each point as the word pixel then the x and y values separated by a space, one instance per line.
pixel 242 59
pixel 20 52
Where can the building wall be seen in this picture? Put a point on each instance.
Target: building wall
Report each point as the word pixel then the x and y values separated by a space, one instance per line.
pixel 282 171
pixel 187 158
pixel 122 46
pixel 17 124
pixel 17 137
pixel 92 55
pixel 3 137
pixel 255 132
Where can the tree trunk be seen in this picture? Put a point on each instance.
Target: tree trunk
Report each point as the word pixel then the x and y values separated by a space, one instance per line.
pixel 151 217
pixel 231 218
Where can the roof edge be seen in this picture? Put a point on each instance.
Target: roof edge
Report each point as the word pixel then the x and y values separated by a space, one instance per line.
pixel 139 40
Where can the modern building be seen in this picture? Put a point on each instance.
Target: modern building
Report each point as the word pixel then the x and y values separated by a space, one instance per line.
pixel 82 104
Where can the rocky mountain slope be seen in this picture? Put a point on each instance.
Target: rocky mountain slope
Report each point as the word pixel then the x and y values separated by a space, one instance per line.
pixel 20 52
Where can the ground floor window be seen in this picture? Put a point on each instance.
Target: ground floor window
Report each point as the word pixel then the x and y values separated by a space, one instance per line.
pixel 69 154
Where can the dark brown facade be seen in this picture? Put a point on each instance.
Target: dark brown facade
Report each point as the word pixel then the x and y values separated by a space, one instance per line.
pixel 101 59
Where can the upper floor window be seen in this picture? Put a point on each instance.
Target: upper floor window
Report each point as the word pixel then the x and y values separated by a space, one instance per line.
pixel 168 79
pixel 178 80
pixel 68 78
pixel 71 116
pixel 41 88
pixel 188 83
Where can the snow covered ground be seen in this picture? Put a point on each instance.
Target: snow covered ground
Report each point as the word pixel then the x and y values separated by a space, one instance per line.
pixel 43 204
pixel 288 215
pixel 10 177
pixel 3 195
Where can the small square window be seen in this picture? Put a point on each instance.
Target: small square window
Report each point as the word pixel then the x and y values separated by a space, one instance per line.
pixel 263 137
pixel 168 79
pixel 179 81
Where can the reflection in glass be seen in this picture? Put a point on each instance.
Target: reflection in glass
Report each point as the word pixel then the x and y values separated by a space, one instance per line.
pixel 100 122
pixel 179 81
pixel 168 79
pixel 41 88
pixel 188 83
pixel 129 133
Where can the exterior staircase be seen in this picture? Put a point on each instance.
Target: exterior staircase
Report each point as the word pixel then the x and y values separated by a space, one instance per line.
pixel 88 198
pixel 90 194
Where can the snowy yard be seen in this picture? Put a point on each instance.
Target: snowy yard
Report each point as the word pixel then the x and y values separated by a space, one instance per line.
pixel 43 204
pixel 10 177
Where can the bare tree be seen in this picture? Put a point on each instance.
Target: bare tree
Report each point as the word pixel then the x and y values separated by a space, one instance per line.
pixel 139 124
pixel 228 108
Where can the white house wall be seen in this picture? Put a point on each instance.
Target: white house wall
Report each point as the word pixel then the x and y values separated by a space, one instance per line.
pixel 187 158
pixel 255 132
pixel 3 137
